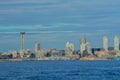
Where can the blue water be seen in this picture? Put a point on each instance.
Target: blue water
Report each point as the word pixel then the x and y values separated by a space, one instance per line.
pixel 60 70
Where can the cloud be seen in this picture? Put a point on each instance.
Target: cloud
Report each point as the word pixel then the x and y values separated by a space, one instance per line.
pixel 24 27
pixel 86 12
pixel 26 1
pixel 38 32
pixel 55 5
pixel 40 27
pixel 61 28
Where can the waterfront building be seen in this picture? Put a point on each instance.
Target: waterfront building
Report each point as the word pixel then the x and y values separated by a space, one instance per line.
pixel 27 53
pixel 14 54
pixel 85 48
pixel 37 47
pixel 22 53
pixel 55 52
pixel 88 48
pixel 82 48
pixel 116 43
pixel 69 48
pixel 105 43
pixel 40 54
pixel 82 45
pixel 101 54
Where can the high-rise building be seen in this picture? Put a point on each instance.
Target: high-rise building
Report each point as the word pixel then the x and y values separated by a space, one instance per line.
pixel 105 43
pixel 37 50
pixel 85 48
pixel 88 48
pixel 22 40
pixel 116 43
pixel 37 47
pixel 69 47
pixel 82 44
pixel 22 51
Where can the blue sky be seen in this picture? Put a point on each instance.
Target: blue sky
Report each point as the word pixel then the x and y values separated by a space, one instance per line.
pixel 54 22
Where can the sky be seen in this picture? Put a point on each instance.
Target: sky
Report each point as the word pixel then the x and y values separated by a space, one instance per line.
pixel 54 22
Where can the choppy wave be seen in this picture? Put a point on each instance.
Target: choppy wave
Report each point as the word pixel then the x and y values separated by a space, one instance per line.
pixel 60 70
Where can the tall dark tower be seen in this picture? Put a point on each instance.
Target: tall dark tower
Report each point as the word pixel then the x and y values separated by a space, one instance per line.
pixel 22 40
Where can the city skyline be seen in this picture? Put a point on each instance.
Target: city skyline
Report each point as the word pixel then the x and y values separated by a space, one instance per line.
pixel 53 23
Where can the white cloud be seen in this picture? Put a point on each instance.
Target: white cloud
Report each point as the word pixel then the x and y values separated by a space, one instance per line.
pixel 26 1
pixel 41 26
pixel 38 32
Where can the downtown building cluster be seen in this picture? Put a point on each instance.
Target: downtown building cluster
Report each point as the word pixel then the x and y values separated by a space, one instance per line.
pixel 69 53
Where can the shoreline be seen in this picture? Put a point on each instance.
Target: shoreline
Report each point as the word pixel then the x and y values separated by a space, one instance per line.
pixel 19 60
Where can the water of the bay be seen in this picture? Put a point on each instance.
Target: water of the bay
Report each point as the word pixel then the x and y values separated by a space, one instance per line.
pixel 60 70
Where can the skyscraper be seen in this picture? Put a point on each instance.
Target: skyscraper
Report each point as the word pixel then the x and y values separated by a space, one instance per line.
pixel 22 40
pixel 37 47
pixel 116 43
pixel 37 50
pixel 82 44
pixel 88 48
pixel 22 52
pixel 105 43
